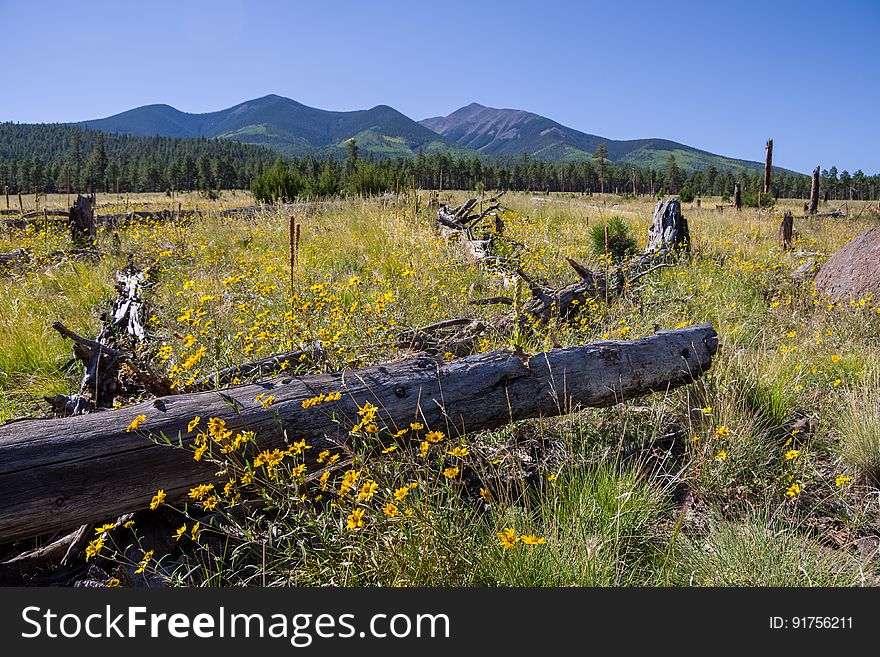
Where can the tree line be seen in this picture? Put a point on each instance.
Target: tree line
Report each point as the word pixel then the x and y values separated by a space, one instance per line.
pixel 56 157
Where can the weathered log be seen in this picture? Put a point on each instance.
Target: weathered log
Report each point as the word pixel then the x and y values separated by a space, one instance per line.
pixel 14 257
pixel 737 197
pixel 814 193
pixel 62 473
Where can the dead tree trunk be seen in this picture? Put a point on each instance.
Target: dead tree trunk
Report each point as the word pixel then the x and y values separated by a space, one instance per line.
pixel 768 167
pixel 669 229
pixel 60 474
pixel 814 193
pixel 82 221
pixel 737 197
pixel 786 230
pixel 102 358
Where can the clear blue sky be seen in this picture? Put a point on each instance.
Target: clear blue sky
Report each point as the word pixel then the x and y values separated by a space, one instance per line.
pixel 719 76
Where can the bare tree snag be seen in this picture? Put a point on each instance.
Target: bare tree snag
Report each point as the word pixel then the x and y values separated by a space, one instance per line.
pixel 814 193
pixel 786 230
pixel 60 474
pixel 768 167
pixel 737 197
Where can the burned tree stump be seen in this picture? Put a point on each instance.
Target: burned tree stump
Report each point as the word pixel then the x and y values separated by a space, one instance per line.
pixel 669 230
pixel 786 230
pixel 737 197
pixel 82 221
pixel 814 193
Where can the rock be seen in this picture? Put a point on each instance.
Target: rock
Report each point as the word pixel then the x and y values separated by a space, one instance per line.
pixel 854 271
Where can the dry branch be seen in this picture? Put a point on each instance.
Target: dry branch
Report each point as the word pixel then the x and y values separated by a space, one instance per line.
pixel 62 473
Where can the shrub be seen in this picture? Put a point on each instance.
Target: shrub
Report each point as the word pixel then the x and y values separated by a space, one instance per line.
pixel 686 195
pixel 612 239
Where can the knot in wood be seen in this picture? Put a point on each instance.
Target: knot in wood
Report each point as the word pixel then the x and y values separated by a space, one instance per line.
pixel 400 391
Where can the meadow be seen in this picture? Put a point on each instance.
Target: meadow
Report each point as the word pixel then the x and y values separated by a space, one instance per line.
pixel 765 472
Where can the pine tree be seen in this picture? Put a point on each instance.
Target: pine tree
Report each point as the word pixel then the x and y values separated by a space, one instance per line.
pixel 601 158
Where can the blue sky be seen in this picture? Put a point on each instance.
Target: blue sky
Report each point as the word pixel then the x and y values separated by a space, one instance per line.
pixel 718 76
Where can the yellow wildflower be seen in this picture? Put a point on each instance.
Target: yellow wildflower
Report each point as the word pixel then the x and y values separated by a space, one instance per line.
pixel 791 454
pixel 722 432
pixel 435 436
pixel 721 455
pixel 508 537
pixel 158 498
pixel 194 423
pixel 323 480
pixel 356 519
pixel 841 480
pixel 138 421
pixel 180 532
pixel 367 491
pixel 390 510
pixel 200 491
pixel 142 566
pixel 451 473
pixel 531 539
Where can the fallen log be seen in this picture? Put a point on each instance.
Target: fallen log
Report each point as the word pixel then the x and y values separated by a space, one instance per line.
pixel 59 474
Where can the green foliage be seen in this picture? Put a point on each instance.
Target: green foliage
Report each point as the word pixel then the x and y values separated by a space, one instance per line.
pixel 760 552
pixel 612 239
pixel 278 183
pixel 859 427
pixel 599 524
pixel 750 199
pixel 686 195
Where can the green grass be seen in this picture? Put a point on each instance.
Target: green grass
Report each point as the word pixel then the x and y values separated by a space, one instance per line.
pixel 764 472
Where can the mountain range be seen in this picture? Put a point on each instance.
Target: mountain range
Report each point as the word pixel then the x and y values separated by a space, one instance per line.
pixel 293 129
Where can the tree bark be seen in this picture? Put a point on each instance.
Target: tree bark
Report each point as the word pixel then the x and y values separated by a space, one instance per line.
pixel 814 193
pixel 82 221
pixel 786 230
pixel 60 474
pixel 669 229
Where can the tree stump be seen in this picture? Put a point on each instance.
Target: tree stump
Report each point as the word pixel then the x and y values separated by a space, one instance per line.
pixel 737 197
pixel 82 221
pixel 669 229
pixel 786 229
